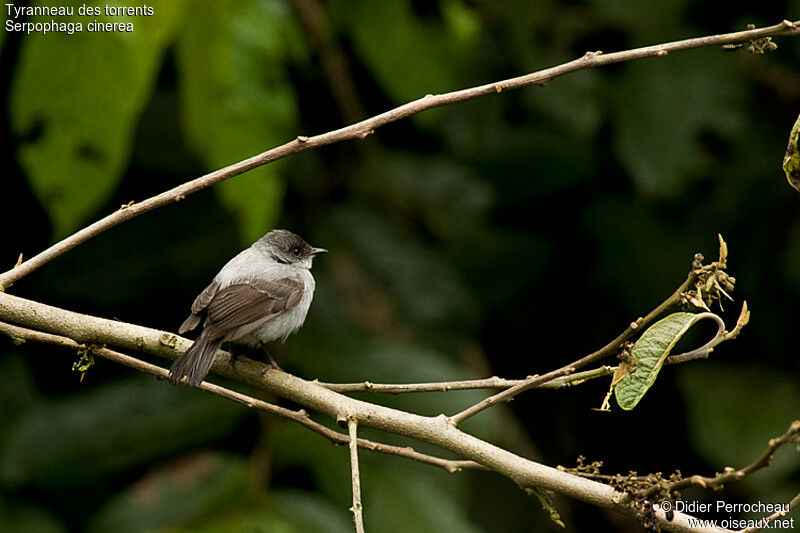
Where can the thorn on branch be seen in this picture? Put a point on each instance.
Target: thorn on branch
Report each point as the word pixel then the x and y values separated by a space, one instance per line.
pixel 19 260
pixel 589 57
pixel 302 139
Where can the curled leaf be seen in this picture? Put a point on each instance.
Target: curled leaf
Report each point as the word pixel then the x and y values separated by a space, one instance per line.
pixel 649 353
pixel 791 161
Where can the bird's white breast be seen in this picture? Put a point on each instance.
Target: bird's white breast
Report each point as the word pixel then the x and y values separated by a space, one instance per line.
pixel 251 264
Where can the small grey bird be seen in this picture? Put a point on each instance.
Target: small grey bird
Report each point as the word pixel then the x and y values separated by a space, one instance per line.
pixel 261 295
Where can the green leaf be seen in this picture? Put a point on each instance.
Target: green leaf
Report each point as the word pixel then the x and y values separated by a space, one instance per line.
pixel 420 281
pixel 388 37
pixel 283 512
pixel 450 198
pixel 383 361
pixel 77 98
pixel 197 487
pixel 109 429
pixel 649 22
pixel 649 353
pixel 238 98
pixel 399 495
pixel 791 161
pixel 20 517
pixel 310 512
pixel 18 392
pixel 653 249
pixel 662 107
pixel 733 411
pixel 421 501
pixel 571 103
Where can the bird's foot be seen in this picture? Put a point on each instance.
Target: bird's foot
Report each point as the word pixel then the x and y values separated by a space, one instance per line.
pixel 272 362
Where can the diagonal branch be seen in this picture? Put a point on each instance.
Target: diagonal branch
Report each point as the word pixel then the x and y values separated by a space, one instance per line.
pixel 791 436
pixel 434 430
pixel 609 349
pixel 496 382
pixel 362 129
pixel 767 521
pixel 20 334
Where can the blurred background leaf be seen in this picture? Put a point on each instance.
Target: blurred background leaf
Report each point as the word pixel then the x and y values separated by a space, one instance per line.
pixel 191 490
pixel 238 99
pixel 59 445
pixel 75 100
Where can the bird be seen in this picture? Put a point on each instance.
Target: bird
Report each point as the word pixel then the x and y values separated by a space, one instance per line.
pixel 261 295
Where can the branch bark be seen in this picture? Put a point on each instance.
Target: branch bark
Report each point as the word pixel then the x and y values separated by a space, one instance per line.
pixel 436 430
pixel 609 349
pixel 20 334
pixel 362 129
pixel 794 502
pixel 355 477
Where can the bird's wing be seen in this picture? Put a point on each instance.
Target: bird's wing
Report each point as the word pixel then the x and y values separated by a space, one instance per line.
pixel 243 303
pixel 199 305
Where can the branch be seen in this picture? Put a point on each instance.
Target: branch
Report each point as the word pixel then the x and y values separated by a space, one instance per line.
pixel 434 430
pixel 765 522
pixel 495 382
pixel 609 349
pixel 655 487
pixel 357 508
pixel 362 129
pixel 792 435
pixel 20 334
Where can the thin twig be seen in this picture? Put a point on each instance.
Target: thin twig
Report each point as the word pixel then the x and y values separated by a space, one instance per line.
pixel 20 334
pixel 570 380
pixel 355 478
pixel 609 349
pixel 792 435
pixel 493 382
pixel 499 383
pixel 362 129
pixel 765 522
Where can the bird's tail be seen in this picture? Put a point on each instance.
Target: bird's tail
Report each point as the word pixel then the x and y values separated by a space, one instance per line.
pixel 195 362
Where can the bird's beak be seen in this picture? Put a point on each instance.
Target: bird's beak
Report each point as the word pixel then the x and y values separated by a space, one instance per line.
pixel 315 251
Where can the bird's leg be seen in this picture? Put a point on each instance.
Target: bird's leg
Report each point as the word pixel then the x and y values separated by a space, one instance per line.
pixel 272 362
pixel 234 353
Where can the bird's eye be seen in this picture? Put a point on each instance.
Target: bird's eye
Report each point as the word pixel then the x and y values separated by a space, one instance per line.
pixel 296 251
